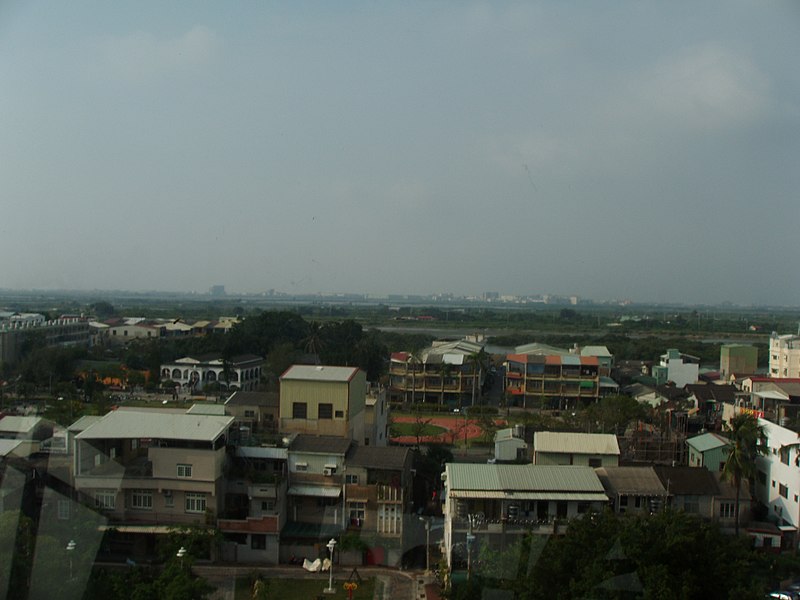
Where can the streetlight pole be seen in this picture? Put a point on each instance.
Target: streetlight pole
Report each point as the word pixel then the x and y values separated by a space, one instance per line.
pixel 427 521
pixel 181 553
pixel 331 546
pixel 70 549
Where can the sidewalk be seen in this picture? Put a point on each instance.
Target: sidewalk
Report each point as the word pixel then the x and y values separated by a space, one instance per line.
pixel 397 585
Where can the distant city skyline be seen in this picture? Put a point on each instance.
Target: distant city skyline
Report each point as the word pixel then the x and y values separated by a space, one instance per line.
pixel 629 150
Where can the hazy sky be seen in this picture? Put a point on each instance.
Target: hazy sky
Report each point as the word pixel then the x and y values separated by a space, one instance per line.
pixel 645 150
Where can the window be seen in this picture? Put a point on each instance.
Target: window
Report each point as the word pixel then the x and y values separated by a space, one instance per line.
pixel 783 491
pixel 784 455
pixel 595 463
pixel 301 466
pixel 726 510
pixel 195 502
pixel 249 414
pixel 142 499
pixel 351 479
pixel 63 510
pixel 390 518
pixel 357 512
pixel 299 410
pixel 340 414
pixel 169 499
pixel 325 411
pixel 258 541
pixel 184 470
pixel 268 505
pixel 105 499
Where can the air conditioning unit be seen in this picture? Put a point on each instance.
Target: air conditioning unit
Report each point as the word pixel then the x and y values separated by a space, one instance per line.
pixel 327 471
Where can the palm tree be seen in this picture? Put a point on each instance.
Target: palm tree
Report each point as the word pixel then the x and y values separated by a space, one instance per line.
pixel 414 359
pixel 478 360
pixel 748 442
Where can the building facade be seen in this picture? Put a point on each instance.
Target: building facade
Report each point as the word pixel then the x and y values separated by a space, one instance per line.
pixel 784 356
pixel 194 373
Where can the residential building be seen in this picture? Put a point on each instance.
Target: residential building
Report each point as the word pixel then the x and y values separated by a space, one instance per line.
pixel 633 489
pixel 194 373
pixel 697 491
pixel 378 492
pixel 709 450
pixel 552 381
pixel 777 483
pixel 680 369
pixel 316 508
pixel 16 329
pixel 254 412
pixel 737 358
pixel 784 355
pixel 498 504
pixel 440 374
pixel 153 467
pixel 584 449
pixel 376 416
pixel 255 503
pixel 323 400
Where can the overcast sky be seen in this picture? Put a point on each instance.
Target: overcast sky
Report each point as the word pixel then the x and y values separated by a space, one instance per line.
pixel 644 150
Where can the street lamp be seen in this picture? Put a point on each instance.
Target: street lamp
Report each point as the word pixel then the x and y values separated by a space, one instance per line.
pixel 70 549
pixel 331 545
pixel 181 553
pixel 427 522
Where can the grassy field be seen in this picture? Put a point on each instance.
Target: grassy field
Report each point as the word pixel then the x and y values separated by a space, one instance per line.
pixel 399 429
pixel 303 589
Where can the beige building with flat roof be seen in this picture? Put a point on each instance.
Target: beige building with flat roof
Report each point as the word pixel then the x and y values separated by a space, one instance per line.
pixel 323 400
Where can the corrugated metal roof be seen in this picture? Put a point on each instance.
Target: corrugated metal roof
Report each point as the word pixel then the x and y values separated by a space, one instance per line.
pixel 319 373
pixel 130 424
pixel 631 480
pixel 554 496
pixel 320 444
pixel 84 422
pixel 206 409
pixel 577 443
pixel 707 441
pixel 537 348
pixel 315 490
pixel 574 361
pixel 595 351
pixel 262 452
pixel 521 478
pixel 13 424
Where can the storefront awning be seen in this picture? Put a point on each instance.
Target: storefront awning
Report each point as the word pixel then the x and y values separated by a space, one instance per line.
pixel 317 491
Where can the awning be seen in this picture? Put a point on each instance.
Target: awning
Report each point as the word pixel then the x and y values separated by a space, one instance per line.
pixel 549 496
pixel 587 384
pixel 153 529
pixel 318 491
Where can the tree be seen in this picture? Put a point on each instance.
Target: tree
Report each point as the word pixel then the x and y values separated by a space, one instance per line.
pixel 748 443
pixel 313 341
pixel 479 361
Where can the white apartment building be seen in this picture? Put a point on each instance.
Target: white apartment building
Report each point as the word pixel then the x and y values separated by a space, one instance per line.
pixel 784 356
pixel 778 479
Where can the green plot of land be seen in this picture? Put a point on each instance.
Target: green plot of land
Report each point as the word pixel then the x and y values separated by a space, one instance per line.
pixel 303 589
pixel 424 429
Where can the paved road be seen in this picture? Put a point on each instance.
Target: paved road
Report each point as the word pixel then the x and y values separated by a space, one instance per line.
pixel 396 585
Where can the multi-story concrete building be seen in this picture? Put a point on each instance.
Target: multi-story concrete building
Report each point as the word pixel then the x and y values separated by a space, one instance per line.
pixel 150 468
pixel 324 400
pixel 784 356
pixel 737 358
pixel 193 373
pixel 495 505
pixel 444 373
pixel 19 329
pixel 680 369
pixel 553 381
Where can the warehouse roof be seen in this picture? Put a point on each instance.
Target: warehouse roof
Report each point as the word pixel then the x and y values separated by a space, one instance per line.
pixel 575 443
pixel 521 478
pixel 319 373
pixel 131 424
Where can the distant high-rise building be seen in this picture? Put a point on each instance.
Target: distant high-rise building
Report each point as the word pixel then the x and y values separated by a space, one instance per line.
pixel 217 290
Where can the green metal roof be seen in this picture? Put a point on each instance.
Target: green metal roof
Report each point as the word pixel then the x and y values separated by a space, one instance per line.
pixel 521 478
pixel 707 441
